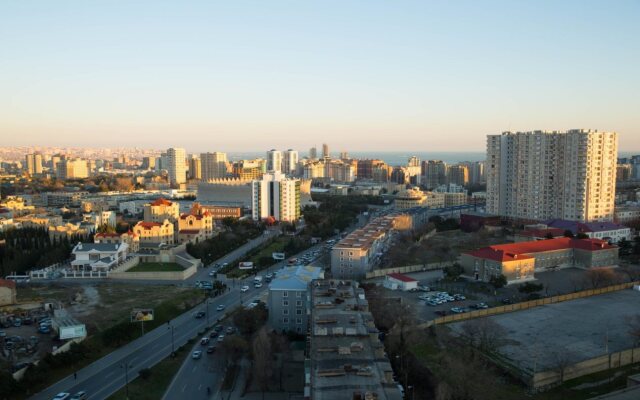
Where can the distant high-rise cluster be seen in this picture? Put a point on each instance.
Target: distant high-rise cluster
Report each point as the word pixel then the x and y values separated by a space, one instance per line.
pixel 542 175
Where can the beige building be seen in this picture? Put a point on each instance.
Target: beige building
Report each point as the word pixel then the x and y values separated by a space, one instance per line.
pixel 130 238
pixel 33 163
pixel 177 166
pixel 72 168
pixel 409 198
pixel 155 232
pixel 458 174
pixel 17 205
pixel 542 175
pixel 161 209
pixel 214 165
pixel 7 292
pixel 454 199
pixel 195 168
pixel 62 231
pixel 519 261
pixel 195 226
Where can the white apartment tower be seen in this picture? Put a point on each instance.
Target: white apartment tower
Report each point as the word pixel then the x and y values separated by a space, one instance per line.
pixel 290 162
pixel 275 196
pixel 274 160
pixel 541 175
pixel 213 165
pixel 176 166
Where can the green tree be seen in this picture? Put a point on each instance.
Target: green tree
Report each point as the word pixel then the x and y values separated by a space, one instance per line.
pixel 529 287
pixel 498 281
pixel 453 271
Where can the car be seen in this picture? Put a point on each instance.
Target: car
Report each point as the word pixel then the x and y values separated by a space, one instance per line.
pixel 480 306
pixel 211 349
pixel 230 330
pixel 204 341
pixel 199 314
pixel 244 289
pixel 459 297
pixel 44 329
pixel 221 338
pixel 224 264
pixel 457 310
pixel 257 285
pixel 212 273
pixel 423 288
pixel 17 322
pixel 220 307
pixel 27 321
pixel 415 289
pixel 62 396
pixel 3 334
pixel 81 395
pixel 218 328
pixel 196 354
pixel 506 301
pixel 269 275
pixel 432 303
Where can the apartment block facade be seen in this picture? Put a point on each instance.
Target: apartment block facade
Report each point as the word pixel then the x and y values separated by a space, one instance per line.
pixel 549 174
pixel 275 196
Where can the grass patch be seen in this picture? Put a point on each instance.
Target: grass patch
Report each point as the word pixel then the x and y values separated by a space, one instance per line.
pixel 157 382
pixel 156 267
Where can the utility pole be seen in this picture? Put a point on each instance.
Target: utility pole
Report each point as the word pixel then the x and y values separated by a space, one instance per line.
pixel 126 367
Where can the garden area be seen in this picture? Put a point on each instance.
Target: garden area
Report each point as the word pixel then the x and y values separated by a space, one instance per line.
pixel 156 267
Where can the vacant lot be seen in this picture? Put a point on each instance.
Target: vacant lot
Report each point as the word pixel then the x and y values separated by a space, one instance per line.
pixel 156 267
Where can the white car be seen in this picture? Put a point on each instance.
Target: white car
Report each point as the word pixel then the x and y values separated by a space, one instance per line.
pixel 244 289
pixel 196 354
pixel 221 338
pixel 258 285
pixel 220 307
pixel 62 396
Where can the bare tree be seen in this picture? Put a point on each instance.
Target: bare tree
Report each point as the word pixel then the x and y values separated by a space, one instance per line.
pixel 600 277
pixel 634 329
pixel 562 360
pixel 262 359
pixel 484 333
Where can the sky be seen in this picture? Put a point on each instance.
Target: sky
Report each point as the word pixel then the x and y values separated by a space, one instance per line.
pixel 360 75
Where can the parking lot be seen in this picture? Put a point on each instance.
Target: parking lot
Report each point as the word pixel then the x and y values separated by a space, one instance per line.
pixel 23 344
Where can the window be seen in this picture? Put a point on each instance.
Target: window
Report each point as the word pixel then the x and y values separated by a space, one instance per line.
pixel 298 294
pixel 299 311
pixel 285 294
pixel 285 303
pixel 285 312
pixel 298 320
pixel 299 303
pixel 285 320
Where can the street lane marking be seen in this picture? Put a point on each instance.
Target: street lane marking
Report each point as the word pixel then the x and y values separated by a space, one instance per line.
pixel 184 388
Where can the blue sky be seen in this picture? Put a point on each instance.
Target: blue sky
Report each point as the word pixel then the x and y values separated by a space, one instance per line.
pixel 360 75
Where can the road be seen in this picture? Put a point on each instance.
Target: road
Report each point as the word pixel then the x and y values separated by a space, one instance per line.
pixel 108 374
pixel 195 376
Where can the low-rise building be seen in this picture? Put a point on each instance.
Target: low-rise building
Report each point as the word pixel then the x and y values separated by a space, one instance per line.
pixel 347 360
pixel 289 298
pixel 518 262
pixel 396 281
pixel 154 233
pixel 538 234
pixel 98 256
pixel 7 292
pixel 195 226
pixel 219 213
pixel 68 230
pixel 609 231
pixel 626 214
pixel 130 238
pixel 160 210
pixel 18 205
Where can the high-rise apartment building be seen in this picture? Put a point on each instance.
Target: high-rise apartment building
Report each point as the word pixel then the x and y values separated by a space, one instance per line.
pixel 248 170
pixel 72 168
pixel 274 160
pixel 434 173
pixel 325 150
pixel 458 174
pixel 33 163
pixel 195 167
pixel 214 165
pixel 290 162
pixel 541 175
pixel 176 160
pixel 313 153
pixel 275 196
pixel 148 162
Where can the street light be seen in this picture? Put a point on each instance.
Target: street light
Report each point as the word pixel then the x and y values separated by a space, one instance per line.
pixel 173 348
pixel 126 366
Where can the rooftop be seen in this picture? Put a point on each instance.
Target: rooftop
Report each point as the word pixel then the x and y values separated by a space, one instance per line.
pixel 161 202
pixel 296 278
pixel 521 250
pixel 401 277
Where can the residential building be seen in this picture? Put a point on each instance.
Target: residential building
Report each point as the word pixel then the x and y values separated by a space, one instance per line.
pixel 148 163
pixel 347 360
pixel 33 163
pixel 290 162
pixel 98 256
pixel 434 173
pixel 458 175
pixel 276 196
pixel 289 295
pixel 542 175
pixel 434 199
pixel 154 233
pixel 18 206
pixel 176 166
pixel 195 226
pixel 131 239
pixel 313 153
pixel 626 214
pixel 8 292
pixel 476 172
pixel 69 230
pixel 360 251
pixel 161 209
pixel 274 160
pixel 455 199
pixel 609 231
pixel 63 199
pixel 195 167
pixel 248 170
pixel 325 151
pixel 409 198
pixel 72 169
pixel 214 165
pixel 518 262
pixel 365 168
pixel 219 213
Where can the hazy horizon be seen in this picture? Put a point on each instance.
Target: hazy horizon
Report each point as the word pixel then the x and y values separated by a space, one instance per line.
pixel 358 75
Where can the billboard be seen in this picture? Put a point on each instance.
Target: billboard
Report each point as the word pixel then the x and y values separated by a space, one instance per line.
pixel 142 314
pixel 245 265
pixel 278 256
pixel 72 331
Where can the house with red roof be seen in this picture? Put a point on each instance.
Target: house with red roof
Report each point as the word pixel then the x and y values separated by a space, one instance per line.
pixel 161 209
pixel 396 281
pixel 518 262
pixel 154 233
pixel 196 225
pixel 130 238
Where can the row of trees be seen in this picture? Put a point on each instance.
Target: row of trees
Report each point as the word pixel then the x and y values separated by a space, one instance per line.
pixel 237 233
pixel 32 248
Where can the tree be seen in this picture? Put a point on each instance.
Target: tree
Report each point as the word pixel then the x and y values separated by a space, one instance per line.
pixel 582 235
pixel 105 228
pixel 262 359
pixel 232 349
pixel 529 287
pixel 562 360
pixel 600 277
pixel 568 233
pixel 498 281
pixel 123 184
pixel 484 333
pixel 249 320
pixel 453 271
pixel 634 329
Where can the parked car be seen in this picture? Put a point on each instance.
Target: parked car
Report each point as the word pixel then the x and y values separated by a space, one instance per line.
pixel 221 338
pixel 211 349
pixel 62 396
pixel 3 334
pixel 258 285
pixel 506 301
pixel 196 354
pixel 44 329
pixel 230 330
pixel 211 273
pixel 220 307
pixel 218 328
pixel 244 289
pixel 459 297
pixel 480 306
pixel 17 322
pixel 81 395
pixel 457 310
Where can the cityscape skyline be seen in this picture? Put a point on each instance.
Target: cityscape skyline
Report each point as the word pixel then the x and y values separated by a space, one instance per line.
pixel 87 74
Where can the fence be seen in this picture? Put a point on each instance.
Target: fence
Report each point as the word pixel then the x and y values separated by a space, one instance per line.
pixel 157 275
pixel 19 374
pixel 407 269
pixel 527 304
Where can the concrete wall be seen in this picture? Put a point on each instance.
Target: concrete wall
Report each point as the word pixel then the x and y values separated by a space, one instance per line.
pixel 7 295
pixel 407 269
pixel 160 276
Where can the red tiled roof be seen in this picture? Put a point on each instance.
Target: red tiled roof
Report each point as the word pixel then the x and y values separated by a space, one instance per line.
pixel 105 234
pixel 161 202
pixel 519 251
pixel 148 225
pixel 184 216
pixel 401 277
pixel 7 283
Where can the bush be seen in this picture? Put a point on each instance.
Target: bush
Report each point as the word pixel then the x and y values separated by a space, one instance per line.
pixel 498 281
pixel 453 271
pixel 145 373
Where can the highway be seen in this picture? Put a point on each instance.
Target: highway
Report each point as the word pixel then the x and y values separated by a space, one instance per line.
pixel 108 374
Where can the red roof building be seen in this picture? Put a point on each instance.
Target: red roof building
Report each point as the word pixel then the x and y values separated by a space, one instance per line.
pixel 396 281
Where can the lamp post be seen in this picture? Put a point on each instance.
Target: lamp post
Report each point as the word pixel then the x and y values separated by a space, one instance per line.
pixel 126 366
pixel 173 348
